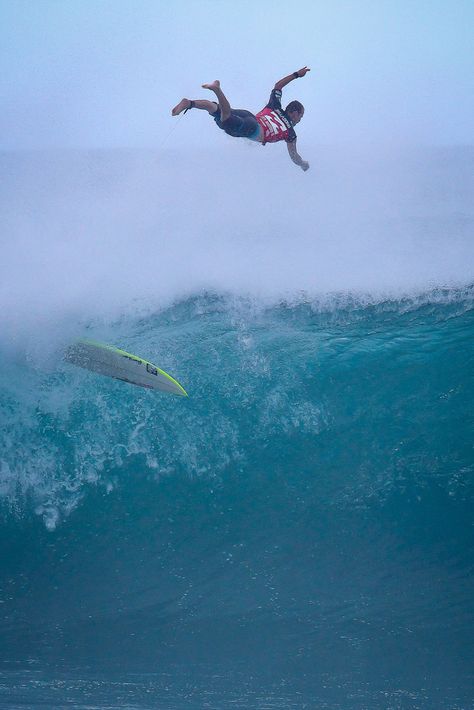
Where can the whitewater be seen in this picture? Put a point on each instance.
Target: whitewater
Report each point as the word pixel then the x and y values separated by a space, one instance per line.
pixel 297 533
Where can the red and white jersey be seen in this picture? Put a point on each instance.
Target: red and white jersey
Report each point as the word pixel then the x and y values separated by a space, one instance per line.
pixel 276 125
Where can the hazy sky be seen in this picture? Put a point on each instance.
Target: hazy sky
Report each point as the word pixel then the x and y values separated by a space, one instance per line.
pixel 93 73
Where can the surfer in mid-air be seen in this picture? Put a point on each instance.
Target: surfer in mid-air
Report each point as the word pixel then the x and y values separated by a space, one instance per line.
pixel 271 124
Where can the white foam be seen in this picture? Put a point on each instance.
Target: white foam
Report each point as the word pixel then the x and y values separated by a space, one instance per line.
pixel 93 235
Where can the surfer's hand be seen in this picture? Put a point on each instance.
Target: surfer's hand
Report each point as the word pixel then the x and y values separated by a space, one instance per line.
pixel 304 165
pixel 303 71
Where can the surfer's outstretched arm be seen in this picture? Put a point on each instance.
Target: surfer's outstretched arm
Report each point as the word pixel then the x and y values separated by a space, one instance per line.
pixel 297 159
pixel 286 80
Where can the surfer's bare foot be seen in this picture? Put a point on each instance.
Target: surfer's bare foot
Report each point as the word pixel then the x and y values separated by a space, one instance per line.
pixel 183 104
pixel 213 85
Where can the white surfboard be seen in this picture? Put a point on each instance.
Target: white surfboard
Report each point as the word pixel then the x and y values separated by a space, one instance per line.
pixel 113 362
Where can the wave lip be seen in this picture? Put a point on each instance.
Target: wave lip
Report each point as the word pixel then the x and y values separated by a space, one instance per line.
pixel 118 227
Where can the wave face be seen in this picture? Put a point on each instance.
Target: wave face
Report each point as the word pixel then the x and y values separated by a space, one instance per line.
pixel 302 523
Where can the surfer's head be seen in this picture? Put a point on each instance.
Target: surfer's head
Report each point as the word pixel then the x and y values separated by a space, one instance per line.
pixel 295 111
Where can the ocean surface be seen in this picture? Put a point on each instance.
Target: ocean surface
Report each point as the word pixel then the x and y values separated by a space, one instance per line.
pixel 298 532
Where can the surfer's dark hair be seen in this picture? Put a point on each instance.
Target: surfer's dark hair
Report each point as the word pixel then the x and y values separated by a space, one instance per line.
pixel 294 106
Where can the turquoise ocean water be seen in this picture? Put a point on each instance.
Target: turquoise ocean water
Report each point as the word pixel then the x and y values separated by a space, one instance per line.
pixel 295 534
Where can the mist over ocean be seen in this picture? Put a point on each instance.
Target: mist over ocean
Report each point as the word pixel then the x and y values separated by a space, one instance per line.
pixel 298 532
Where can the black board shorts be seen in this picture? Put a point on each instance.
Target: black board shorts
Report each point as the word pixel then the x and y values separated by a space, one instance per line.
pixel 240 124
